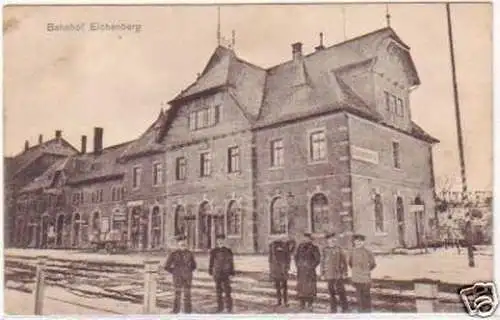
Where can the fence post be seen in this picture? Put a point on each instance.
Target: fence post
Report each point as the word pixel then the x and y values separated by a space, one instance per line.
pixel 39 290
pixel 150 278
pixel 426 291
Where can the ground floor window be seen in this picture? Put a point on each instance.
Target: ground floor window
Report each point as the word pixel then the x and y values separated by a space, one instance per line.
pixel 233 219
pixel 279 216
pixel 319 213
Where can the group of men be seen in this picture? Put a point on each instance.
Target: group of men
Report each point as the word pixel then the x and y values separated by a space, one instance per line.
pixel 307 257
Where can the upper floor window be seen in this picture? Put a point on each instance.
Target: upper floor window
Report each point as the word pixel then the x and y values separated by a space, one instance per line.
pixel 394 104
pixel 233 159
pixel 157 174
pixel 204 118
pixel 136 177
pixel 180 168
pixel 277 155
pixel 97 196
pixel 205 164
pixel 396 155
pixel 400 111
pixel 317 146
pixel 117 193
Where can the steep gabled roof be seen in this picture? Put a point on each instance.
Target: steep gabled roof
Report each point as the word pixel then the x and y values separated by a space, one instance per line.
pixel 296 88
pixel 90 167
pixel 56 146
pixel 148 142
pixel 47 178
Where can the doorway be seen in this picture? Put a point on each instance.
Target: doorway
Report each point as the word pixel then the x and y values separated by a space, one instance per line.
pixel 45 230
pixel 59 230
pixel 205 227
pixel 400 216
pixel 76 230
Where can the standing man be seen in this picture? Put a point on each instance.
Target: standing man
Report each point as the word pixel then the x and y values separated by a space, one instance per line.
pixel 280 256
pixel 362 263
pixel 334 271
pixel 221 267
pixel 469 239
pixel 307 259
pixel 181 264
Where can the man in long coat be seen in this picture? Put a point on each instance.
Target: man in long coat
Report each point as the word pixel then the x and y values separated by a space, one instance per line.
pixel 307 259
pixel 280 255
pixel 181 264
pixel 221 268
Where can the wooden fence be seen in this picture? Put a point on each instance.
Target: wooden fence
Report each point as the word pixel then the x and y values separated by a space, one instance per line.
pixel 419 295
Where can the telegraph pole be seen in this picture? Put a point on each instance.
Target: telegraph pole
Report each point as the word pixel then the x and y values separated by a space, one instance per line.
pixel 459 135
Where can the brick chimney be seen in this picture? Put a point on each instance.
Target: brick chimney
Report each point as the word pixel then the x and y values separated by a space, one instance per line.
pixel 40 139
pixel 320 46
pixel 84 145
pixel 58 134
pixel 26 145
pixel 297 50
pixel 98 139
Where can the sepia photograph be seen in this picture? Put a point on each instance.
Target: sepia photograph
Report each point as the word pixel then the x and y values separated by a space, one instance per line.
pixel 248 159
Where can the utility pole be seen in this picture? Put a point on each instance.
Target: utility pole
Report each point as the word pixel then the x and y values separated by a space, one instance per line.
pixel 459 134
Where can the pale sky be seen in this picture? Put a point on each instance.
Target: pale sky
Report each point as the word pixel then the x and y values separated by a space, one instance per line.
pixel 118 80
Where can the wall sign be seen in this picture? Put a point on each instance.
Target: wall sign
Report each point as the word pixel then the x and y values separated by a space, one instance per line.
pixel 365 155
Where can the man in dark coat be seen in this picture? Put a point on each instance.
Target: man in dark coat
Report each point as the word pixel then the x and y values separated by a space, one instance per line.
pixel 280 255
pixel 221 267
pixel 181 264
pixel 334 271
pixel 307 259
pixel 362 263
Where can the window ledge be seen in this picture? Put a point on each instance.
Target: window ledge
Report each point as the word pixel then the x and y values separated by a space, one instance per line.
pixel 310 162
pixel 234 236
pixel 276 168
pixel 381 234
pixel 275 236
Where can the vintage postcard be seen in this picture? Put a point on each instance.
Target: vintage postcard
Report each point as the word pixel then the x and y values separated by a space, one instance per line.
pixel 248 159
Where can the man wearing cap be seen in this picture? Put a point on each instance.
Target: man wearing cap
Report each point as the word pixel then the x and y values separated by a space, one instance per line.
pixel 307 259
pixel 280 255
pixel 334 271
pixel 362 263
pixel 181 264
pixel 221 267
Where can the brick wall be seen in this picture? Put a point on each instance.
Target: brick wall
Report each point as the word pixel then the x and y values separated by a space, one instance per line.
pixel 412 179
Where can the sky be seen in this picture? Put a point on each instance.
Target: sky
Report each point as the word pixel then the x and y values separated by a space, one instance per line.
pixel 119 80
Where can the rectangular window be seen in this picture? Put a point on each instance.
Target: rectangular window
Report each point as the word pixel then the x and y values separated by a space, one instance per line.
pixel 401 111
pixel 204 118
pixel 277 155
pixel 233 159
pixel 180 168
pixel 205 164
pixel 136 177
pixel 157 174
pixel 396 155
pixel 317 146
pixel 387 101
pixel 192 121
pixel 394 104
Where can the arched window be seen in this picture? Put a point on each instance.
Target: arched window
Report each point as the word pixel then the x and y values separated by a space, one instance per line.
pixel 96 222
pixel 319 213
pixel 179 220
pixel 279 217
pixel 379 213
pixel 233 219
